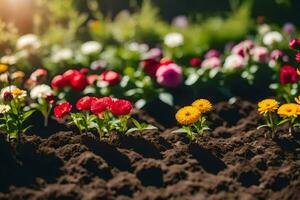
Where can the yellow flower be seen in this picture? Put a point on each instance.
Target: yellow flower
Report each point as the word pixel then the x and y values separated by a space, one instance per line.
pixel 202 105
pixel 4 109
pixel 288 110
pixel 297 99
pixel 187 115
pixel 19 93
pixel 3 68
pixel 17 75
pixel 267 105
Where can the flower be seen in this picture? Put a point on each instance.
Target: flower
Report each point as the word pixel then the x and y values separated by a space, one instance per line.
pixel 272 38
pixel 267 105
pixel 195 62
pixel 98 64
pixel 294 44
pixel 79 82
pixel 94 25
pixel 203 105
pixel 7 89
pixel 4 78
pixel 100 105
pixel 18 93
pixel 38 75
pixel 61 55
pixel 288 110
pixel 40 91
pixel 62 109
pixel 243 48
pixel 212 53
pixel 84 71
pixel 3 68
pixel 165 61
pixel 154 53
pixel 9 60
pixel 7 96
pixel 211 63
pixel 121 107
pixel 173 40
pixel 169 75
pixel 259 54
pixel 151 66
pixel 297 57
pixel 70 74
pixel 90 47
pixel 136 47
pixel 92 79
pixel 58 82
pixel 4 108
pixel 233 62
pixel 288 74
pixel 263 29
pixel 180 21
pixel 28 42
pixel 297 99
pixel 85 103
pixel 276 54
pixel 18 75
pixel 187 115
pixel 289 28
pixel 111 77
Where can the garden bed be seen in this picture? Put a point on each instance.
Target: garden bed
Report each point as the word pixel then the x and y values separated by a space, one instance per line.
pixel 234 161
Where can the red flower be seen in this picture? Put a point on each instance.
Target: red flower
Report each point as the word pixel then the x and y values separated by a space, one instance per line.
pixel 84 71
pixel 70 74
pixel 298 57
pixel 85 103
pixel 121 107
pixel 79 82
pixel 111 77
pixel 288 74
pixel 195 62
pixel 58 82
pixel 294 44
pixel 151 66
pixel 62 109
pixel 101 104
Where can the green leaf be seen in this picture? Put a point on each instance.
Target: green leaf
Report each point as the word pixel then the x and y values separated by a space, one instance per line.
pixel 283 121
pixel 150 127
pixel 136 123
pixel 262 126
pixel 26 129
pixel 27 114
pixel 181 130
pixel 131 130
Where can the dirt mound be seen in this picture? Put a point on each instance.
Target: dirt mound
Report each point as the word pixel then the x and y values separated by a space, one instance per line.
pixel 234 161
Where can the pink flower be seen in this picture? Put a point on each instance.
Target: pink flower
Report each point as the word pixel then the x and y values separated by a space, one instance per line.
pixel 297 57
pixel 169 75
pixel 243 48
pixel 276 54
pixel 211 63
pixel 111 77
pixel 212 53
pixel 259 54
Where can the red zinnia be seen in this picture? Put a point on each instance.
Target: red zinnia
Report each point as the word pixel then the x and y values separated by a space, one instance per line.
pixel 62 109
pixel 58 82
pixel 70 74
pixel 121 107
pixel 288 74
pixel 85 103
pixel 111 77
pixel 101 104
pixel 151 66
pixel 79 82
pixel 298 57
pixel 294 44
pixel 195 62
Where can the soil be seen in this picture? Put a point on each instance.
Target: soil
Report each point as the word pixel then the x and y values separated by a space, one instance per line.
pixel 234 161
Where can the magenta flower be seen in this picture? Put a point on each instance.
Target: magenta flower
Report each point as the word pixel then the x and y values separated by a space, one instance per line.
pixel 213 53
pixel 169 75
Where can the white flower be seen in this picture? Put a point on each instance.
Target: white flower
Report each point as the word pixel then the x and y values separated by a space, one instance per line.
pixel 260 54
pixel 271 38
pixel 180 21
pixel 40 91
pixel 263 29
pixel 90 47
pixel 134 46
pixel 173 40
pixel 28 42
pixel 18 93
pixel 7 89
pixel 10 60
pixel 4 108
pixel 234 61
pixel 211 63
pixel 60 55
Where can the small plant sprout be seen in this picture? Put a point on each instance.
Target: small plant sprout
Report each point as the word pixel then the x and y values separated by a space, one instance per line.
pixel 140 126
pixel 267 108
pixel 44 98
pixel 193 120
pixel 12 112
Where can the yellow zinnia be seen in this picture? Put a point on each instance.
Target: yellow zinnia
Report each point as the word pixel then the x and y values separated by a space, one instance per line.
pixel 288 110
pixel 3 68
pixel 19 93
pixel 187 115
pixel 267 105
pixel 203 105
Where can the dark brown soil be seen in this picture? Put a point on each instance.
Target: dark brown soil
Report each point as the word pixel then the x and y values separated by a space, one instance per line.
pixel 234 161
